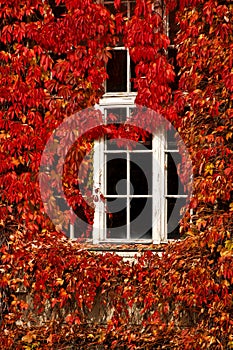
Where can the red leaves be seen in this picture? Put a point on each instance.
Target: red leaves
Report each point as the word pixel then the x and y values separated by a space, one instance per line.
pixel 52 67
pixel 39 87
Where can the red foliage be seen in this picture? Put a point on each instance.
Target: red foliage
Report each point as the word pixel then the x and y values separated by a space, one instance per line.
pixel 53 56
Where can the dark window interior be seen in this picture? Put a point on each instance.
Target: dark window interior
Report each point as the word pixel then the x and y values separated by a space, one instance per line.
pixel 117 72
pixel 116 174
pixel 141 173
pixel 174 216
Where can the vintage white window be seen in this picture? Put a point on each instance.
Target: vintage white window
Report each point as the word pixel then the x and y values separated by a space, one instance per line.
pixel 141 188
pixel 140 185
pixel 142 191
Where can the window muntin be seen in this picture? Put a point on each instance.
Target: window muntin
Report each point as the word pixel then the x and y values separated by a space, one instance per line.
pixel 128 179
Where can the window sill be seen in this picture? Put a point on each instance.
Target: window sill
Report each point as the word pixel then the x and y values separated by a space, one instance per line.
pixel 124 247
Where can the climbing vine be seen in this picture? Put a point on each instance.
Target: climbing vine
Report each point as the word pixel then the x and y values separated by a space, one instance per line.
pixel 58 294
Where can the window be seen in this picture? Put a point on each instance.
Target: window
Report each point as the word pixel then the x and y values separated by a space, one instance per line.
pixel 142 192
pixel 120 68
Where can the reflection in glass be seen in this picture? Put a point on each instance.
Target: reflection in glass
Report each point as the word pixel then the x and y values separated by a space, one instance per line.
pixel 120 114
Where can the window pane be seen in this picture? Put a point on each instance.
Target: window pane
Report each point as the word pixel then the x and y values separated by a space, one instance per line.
pixel 141 173
pixel 174 185
pixel 132 7
pixel 119 113
pixel 147 143
pixel 116 174
pixel 81 228
pixel 173 26
pixel 142 144
pixel 117 71
pixel 171 140
pixel 126 10
pixel 116 218
pixel 110 6
pixel 174 206
pixel 141 218
pixel 172 177
pixel 116 144
pixel 172 53
pixel 148 139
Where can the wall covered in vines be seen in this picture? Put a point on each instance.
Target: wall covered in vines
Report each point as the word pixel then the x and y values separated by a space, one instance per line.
pixel 58 294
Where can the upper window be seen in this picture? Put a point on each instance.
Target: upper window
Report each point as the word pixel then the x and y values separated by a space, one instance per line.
pixel 120 68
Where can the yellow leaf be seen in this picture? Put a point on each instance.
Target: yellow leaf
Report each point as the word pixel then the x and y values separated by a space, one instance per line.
pixel 28 338
pixel 59 282
pixel 15 161
pixel 229 244
pixel 90 336
pixel 50 339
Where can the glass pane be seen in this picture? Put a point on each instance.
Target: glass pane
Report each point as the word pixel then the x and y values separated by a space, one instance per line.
pixel 123 6
pixel 116 174
pixel 117 71
pixel 174 206
pixel 132 7
pixel 116 144
pixel 171 140
pixel 174 185
pixel 173 26
pixel 110 6
pixel 172 53
pixel 116 218
pixel 120 114
pixel 146 141
pixel 141 173
pixel 62 204
pixel 143 143
pixel 141 218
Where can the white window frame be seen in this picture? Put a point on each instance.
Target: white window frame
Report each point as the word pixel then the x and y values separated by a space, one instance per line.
pixel 128 91
pixel 159 185
pixel 159 180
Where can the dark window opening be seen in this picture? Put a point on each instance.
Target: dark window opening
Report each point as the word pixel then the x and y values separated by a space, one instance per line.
pixel 116 174
pixel 117 72
pixel 116 218
pixel 141 173
pixel 174 206
pixel 141 218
